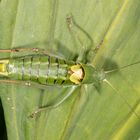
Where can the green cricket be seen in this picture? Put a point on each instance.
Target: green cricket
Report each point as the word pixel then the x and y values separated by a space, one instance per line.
pixel 45 69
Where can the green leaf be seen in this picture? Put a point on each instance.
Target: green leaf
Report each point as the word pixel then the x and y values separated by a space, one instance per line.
pixel 112 111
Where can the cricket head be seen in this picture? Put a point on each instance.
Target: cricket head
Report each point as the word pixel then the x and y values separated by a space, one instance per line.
pixel 85 74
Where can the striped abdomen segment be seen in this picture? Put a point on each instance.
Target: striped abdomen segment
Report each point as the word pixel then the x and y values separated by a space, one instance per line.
pixel 42 69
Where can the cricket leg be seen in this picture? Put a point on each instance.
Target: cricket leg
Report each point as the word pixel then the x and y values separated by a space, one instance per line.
pixel 87 48
pixel 25 51
pixel 14 50
pixel 28 51
pixel 83 39
pixel 7 81
pixel 55 105
pixel 10 82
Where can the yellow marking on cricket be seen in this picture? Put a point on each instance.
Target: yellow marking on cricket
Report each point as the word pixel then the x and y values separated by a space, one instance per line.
pixel 77 74
pixel 3 69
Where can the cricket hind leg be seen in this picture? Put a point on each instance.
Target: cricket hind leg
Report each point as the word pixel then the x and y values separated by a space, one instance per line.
pixel 8 81
pixel 22 83
pixel 53 105
pixel 16 50
pixel 19 52
pixel 37 47
pixel 29 50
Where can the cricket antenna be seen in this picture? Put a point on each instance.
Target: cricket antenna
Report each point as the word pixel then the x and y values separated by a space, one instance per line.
pixel 124 99
pixel 123 67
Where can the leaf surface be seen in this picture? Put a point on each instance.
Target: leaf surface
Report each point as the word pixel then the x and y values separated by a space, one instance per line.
pixel 109 113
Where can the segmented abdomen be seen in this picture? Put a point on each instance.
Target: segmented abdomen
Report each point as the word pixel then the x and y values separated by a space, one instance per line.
pixel 42 69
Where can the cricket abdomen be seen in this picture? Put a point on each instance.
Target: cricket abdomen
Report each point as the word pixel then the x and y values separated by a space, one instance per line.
pixel 43 69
